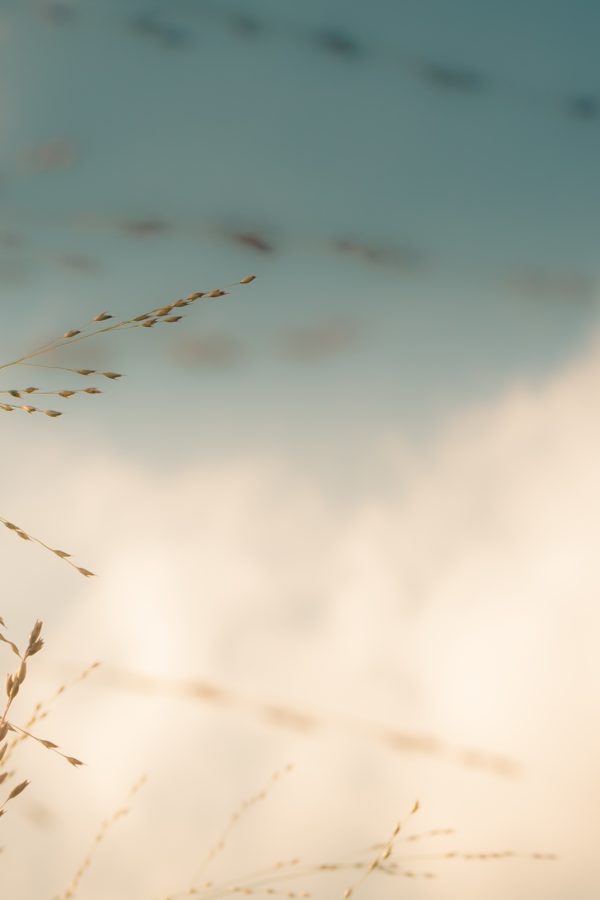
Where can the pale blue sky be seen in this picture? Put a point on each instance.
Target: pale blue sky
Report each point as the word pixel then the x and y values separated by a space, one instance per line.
pixel 206 129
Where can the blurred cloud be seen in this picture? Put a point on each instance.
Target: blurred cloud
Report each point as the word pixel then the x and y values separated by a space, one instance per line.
pixel 319 341
pixel 55 12
pixel 406 258
pixel 76 262
pixel 306 344
pixel 554 286
pixel 11 240
pixel 208 351
pixel 453 78
pixel 157 29
pixel 144 227
pixel 57 153
pixel 253 240
pixel 457 599
pixel 338 43
pixel 342 43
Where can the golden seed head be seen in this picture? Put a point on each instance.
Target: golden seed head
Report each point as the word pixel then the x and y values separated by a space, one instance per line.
pixel 18 789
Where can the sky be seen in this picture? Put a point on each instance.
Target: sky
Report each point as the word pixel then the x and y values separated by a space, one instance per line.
pixel 361 488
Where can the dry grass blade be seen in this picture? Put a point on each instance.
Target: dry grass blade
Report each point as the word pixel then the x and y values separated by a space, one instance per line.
pixel 14 793
pixel 10 407
pixel 235 819
pixel 167 314
pixel 14 680
pixel 61 554
pixel 312 723
pixel 363 864
pixel 65 393
pixel 48 745
pixel 99 838
pixel 381 857
pixel 41 709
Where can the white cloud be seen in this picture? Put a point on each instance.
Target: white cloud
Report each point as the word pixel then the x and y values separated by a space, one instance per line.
pixel 459 600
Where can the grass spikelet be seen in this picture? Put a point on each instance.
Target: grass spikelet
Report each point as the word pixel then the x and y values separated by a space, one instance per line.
pixel 91 329
pixel 363 865
pixel 61 554
pixel 14 793
pixel 99 838
pixel 234 821
pixel 42 709
pixel 96 327
pixel 378 861
pixel 13 683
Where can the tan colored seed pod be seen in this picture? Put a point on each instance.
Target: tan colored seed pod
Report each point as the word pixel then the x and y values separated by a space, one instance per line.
pixel 36 631
pixel 18 789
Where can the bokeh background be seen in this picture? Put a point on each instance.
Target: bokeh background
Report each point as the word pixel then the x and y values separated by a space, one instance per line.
pixel 346 516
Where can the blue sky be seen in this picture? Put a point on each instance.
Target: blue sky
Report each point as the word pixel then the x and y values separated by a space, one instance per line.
pixel 209 131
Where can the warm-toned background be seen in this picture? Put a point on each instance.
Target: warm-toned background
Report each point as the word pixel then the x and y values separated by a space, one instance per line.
pixel 365 488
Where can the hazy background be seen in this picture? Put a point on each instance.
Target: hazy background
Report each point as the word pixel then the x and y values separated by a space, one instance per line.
pixel 364 488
